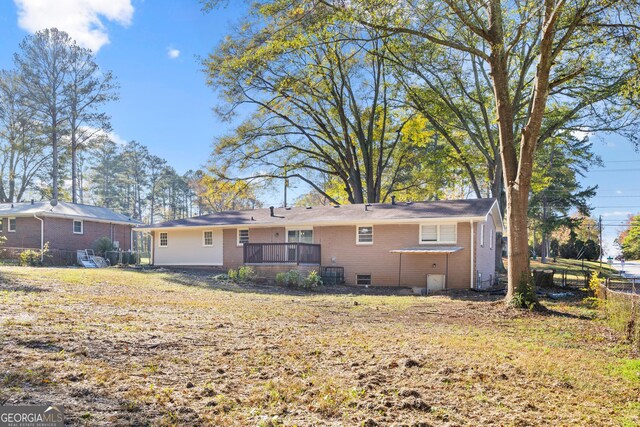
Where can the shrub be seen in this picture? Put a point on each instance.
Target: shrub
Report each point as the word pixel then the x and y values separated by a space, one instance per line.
pixel 313 280
pixel 246 273
pixel 30 257
pixel 243 274
pixel 281 279
pixel 594 283
pixel 294 279
pixel 33 257
pixel 102 246
pixel 525 293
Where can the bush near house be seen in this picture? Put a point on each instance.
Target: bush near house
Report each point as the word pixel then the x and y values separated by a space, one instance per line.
pixel 242 274
pixel 103 245
pixel 33 257
pixel 295 279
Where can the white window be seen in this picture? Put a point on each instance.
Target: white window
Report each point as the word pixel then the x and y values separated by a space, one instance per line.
pixel 364 235
pixel 78 227
pixel 482 235
pixel 164 240
pixel 363 279
pixel 12 225
pixel 207 238
pixel 300 236
pixel 438 233
pixel 243 236
pixel 492 237
pixel 1 225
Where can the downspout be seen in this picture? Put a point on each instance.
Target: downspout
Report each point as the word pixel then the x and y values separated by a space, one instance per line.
pixel 472 255
pixel 41 237
pixel 152 255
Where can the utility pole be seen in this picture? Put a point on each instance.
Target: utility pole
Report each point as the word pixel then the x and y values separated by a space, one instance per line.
pixel 286 184
pixel 600 228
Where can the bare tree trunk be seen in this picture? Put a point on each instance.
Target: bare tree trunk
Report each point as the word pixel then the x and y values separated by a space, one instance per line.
pixel 54 144
pixel 518 248
pixel 74 173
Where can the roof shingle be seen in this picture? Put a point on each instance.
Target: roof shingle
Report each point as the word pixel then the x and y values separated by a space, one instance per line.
pixel 344 213
pixel 66 209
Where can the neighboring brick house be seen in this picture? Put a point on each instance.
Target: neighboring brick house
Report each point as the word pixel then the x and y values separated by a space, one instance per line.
pixel 435 245
pixel 65 226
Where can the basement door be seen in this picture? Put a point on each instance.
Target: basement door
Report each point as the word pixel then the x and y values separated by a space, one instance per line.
pixel 435 282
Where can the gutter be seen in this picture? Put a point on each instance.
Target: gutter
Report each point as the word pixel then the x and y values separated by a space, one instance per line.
pixel 249 224
pixel 41 237
pixel 77 218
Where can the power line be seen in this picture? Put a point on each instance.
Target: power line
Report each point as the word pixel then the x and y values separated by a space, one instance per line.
pixel 614 170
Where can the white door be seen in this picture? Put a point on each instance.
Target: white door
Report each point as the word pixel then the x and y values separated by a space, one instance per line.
pixel 435 282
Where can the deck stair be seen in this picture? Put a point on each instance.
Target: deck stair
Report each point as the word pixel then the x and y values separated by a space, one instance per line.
pixel 88 259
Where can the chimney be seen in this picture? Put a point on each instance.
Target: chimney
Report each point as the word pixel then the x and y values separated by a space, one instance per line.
pixel 393 199
pixel 271 210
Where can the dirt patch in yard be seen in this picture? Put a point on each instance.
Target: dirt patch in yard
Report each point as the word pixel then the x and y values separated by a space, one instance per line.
pixel 162 348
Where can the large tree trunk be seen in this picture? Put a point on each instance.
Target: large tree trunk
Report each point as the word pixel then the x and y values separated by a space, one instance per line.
pixel 518 248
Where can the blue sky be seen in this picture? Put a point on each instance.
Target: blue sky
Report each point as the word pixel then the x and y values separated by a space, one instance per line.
pixel 153 49
pixel 164 102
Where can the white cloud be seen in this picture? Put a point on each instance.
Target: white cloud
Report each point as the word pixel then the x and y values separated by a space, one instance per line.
pixel 618 191
pixel 173 53
pixel 117 138
pixel 579 134
pixel 82 19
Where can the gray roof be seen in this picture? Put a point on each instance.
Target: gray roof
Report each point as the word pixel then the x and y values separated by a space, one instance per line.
pixel 65 209
pixel 376 212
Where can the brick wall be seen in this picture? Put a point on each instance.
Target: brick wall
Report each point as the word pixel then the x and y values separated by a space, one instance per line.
pixel 27 234
pixel 59 233
pixel 339 244
pixel 339 248
pixel 232 254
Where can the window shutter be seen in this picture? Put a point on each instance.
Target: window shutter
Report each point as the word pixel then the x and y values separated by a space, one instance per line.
pixel 448 233
pixel 429 233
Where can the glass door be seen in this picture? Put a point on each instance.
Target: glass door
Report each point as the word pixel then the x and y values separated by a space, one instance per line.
pixel 297 236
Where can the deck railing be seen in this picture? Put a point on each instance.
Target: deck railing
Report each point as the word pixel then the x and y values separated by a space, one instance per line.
pixel 281 253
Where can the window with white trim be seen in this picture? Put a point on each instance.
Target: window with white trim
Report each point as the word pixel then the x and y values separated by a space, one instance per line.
pixel 207 238
pixel 363 279
pixel 12 225
pixel 438 233
pixel 300 235
pixel 492 237
pixel 164 239
pixel 1 225
pixel 243 236
pixel 364 234
pixel 78 227
pixel 482 235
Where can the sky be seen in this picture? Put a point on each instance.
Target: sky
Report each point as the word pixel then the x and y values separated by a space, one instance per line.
pixel 153 48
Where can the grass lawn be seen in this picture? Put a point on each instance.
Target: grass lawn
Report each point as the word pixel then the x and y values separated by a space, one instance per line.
pixel 573 267
pixel 123 347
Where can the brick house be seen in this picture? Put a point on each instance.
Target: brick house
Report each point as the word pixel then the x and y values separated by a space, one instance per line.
pixel 65 226
pixel 435 245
